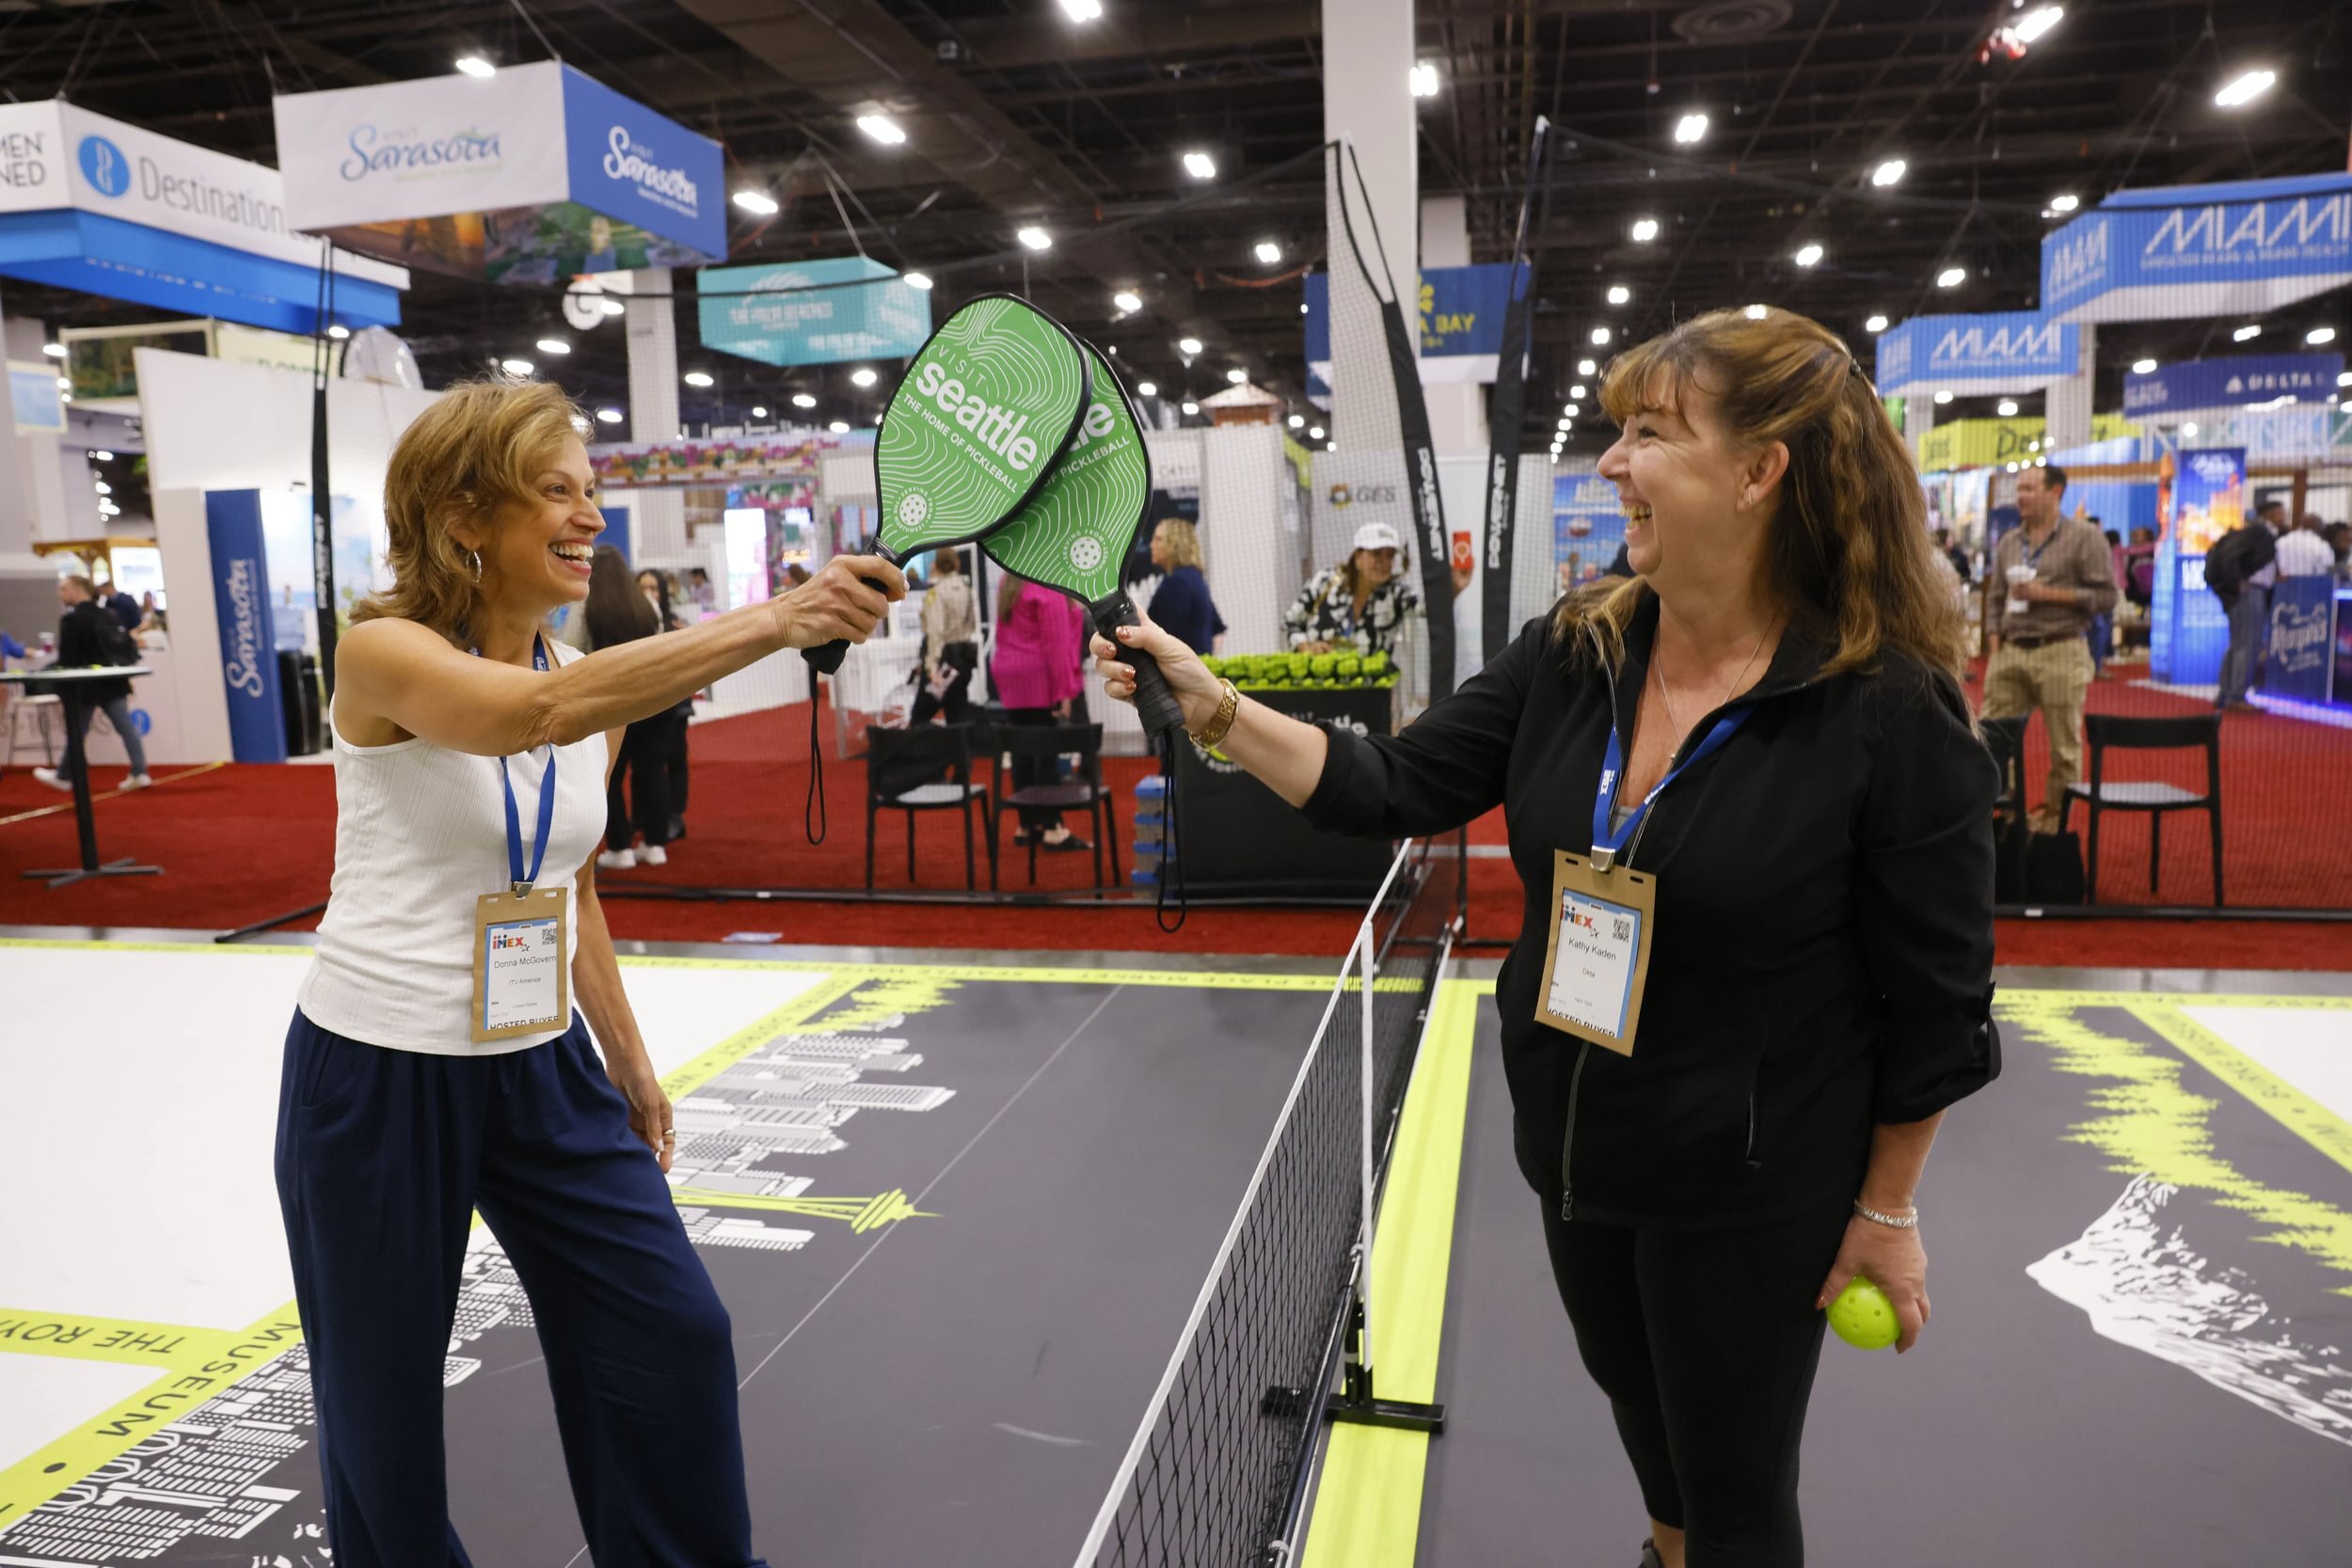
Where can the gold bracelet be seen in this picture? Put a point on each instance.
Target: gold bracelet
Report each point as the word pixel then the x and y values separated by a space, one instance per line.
pixel 1221 725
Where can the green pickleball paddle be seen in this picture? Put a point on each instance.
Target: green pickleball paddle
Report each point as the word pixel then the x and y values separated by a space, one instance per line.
pixel 1074 532
pixel 986 406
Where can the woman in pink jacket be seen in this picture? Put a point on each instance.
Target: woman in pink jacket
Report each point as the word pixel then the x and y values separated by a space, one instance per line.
pixel 1040 640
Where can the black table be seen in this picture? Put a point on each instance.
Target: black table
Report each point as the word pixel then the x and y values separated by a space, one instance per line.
pixel 66 681
pixel 1236 838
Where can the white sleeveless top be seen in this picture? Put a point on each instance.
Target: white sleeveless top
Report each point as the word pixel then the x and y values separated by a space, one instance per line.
pixel 419 834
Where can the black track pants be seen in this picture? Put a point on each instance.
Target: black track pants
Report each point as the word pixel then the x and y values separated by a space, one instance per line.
pixel 1706 1344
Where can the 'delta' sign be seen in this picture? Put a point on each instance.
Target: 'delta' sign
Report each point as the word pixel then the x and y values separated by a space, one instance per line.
pixel 95 205
pixel 532 176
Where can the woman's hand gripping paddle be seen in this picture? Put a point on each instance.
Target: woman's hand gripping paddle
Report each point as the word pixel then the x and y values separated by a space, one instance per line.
pixel 986 405
pixel 1074 536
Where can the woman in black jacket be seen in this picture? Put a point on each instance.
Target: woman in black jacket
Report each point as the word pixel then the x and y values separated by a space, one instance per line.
pixel 1755 756
pixel 618 611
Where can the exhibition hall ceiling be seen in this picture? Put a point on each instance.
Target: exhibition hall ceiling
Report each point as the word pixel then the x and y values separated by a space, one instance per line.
pixel 1015 113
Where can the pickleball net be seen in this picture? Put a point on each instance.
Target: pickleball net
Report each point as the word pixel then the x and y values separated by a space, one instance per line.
pixel 1217 1475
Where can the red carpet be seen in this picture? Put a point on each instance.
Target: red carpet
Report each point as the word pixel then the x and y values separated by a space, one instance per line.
pixel 241 843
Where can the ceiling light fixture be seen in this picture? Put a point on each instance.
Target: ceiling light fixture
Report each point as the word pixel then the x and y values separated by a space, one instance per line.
pixel 2190 429
pixel 1575 409
pixel 1128 300
pixel 1888 172
pixel 883 129
pixel 103 456
pixel 2143 367
pixel 2065 203
pixel 1808 256
pixel 2246 334
pixel 1314 433
pixel 1757 312
pixel 759 411
pixel 1035 238
pixel 553 345
pixel 1268 252
pixel 1423 79
pixel 1199 166
pixel 697 378
pixel 609 415
pixel 1191 407
pixel 1691 127
pixel 1951 277
pixel 2246 88
pixel 54 350
pixel 2006 409
pixel 1237 375
pixel 1943 397
pixel 1296 421
pixel 801 399
pixel 1147 388
pixel 1587 367
pixel 612 306
pixel 839 427
pixel 1082 11
pixel 1644 230
pixel 1189 347
pixel 1576 391
pixel 863 377
pixel 1619 294
pixel 2037 22
pixel 757 202
pixel 476 66
pixel 1601 337
pixel 518 367
pixel 2320 335
pixel 338 332
pixel 1875 324
pixel 916 280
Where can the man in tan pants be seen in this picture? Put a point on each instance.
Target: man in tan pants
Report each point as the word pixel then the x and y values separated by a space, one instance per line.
pixel 2048 579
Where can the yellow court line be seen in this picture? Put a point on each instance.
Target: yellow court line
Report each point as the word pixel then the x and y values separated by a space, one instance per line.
pixel 2288 1106
pixel 79 1337
pixel 1163 978
pixel 1367 1511
pixel 100 796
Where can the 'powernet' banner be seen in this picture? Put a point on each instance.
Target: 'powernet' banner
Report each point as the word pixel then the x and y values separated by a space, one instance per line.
pixel 535 175
pixel 2187 251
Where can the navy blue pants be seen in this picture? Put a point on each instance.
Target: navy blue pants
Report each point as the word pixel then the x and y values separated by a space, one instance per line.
pixel 383 1157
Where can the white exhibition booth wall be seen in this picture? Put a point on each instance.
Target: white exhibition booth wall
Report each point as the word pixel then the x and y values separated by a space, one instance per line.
pixel 213 425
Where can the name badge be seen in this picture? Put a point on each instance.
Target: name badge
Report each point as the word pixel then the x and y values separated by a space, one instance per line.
pixel 522 983
pixel 1597 954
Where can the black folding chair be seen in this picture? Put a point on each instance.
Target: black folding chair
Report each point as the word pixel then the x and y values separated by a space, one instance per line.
pixel 2106 733
pixel 924 770
pixel 1045 745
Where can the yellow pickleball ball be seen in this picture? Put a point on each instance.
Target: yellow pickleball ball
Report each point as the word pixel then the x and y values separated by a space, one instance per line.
pixel 1862 1317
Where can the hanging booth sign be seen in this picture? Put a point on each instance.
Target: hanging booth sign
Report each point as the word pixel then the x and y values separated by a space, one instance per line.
pixel 532 176
pixel 2210 387
pixel 1461 325
pixel 2015 351
pixel 791 454
pixel 94 205
pixel 34 407
pixel 812 313
pixel 1988 443
pixel 2187 251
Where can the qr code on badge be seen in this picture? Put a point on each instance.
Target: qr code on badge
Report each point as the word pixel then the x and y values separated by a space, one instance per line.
pixel 1620 929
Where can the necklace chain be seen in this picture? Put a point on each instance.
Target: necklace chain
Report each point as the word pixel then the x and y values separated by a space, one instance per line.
pixel 1658 668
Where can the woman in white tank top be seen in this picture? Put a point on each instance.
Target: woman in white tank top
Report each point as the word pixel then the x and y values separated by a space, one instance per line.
pixel 437 1066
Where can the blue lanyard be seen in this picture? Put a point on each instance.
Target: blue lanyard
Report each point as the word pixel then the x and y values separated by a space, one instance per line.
pixel 518 882
pixel 1609 838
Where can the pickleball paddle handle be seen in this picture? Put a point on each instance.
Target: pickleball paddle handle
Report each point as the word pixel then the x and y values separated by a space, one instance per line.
pixel 1156 704
pixel 826 658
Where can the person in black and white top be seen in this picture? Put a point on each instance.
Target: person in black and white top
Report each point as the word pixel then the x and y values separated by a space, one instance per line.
pixel 436 1065
pixel 1357 604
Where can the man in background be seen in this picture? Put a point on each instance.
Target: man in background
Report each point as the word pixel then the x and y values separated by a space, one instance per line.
pixel 115 602
pixel 2304 552
pixel 87 636
pixel 2047 578
pixel 2241 568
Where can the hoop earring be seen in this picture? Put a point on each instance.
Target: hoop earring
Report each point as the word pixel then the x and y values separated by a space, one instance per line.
pixel 475 556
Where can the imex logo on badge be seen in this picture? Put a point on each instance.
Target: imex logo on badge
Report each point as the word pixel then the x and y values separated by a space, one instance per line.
pixel 1572 916
pixel 508 941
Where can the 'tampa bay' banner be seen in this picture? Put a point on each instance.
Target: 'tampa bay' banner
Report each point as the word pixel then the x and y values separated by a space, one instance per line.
pixel 812 313
pixel 2205 388
pixel 2181 252
pixel 2015 351
pixel 95 205
pixel 535 175
pixel 1461 324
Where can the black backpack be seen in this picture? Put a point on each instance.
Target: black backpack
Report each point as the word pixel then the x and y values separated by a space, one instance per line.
pixel 116 645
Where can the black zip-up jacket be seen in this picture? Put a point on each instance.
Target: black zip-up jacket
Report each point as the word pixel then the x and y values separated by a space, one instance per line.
pixel 1823 946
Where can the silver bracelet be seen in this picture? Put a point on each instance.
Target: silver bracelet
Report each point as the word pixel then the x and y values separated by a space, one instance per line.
pixel 1908 1222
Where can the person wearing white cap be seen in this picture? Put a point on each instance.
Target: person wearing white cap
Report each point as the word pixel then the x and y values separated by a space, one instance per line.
pixel 1357 604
